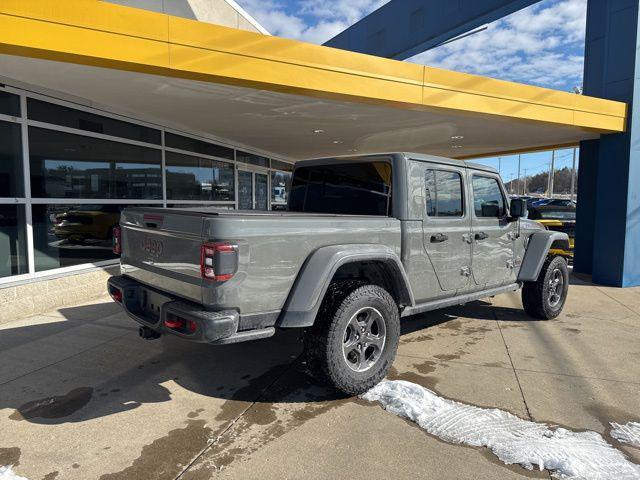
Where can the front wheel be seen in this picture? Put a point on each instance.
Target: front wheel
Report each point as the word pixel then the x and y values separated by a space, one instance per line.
pixel 545 298
pixel 355 337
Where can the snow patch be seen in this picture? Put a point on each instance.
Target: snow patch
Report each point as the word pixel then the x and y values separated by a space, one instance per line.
pixel 629 433
pixel 568 454
pixel 6 473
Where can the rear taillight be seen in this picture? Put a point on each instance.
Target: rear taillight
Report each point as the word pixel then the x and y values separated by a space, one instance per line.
pixel 117 240
pixel 218 261
pixel 116 294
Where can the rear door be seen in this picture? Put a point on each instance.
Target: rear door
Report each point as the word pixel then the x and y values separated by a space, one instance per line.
pixel 446 225
pixel 493 234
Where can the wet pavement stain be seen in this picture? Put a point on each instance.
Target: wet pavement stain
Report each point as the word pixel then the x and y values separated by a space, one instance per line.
pixel 10 456
pixel 426 367
pixel 575 331
pixel 452 325
pixel 495 364
pixel 294 400
pixel 450 356
pixel 429 382
pixel 416 339
pixel 196 413
pixel 242 398
pixel 54 407
pixel 166 457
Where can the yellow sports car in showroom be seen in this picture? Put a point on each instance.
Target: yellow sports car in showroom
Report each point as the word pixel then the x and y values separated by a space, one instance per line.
pixel 87 223
pixel 560 219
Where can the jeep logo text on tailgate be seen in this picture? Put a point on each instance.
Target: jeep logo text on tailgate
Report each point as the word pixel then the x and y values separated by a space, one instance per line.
pixel 152 247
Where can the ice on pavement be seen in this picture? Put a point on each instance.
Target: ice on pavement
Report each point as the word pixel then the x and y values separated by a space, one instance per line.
pixel 6 473
pixel 629 433
pixel 568 454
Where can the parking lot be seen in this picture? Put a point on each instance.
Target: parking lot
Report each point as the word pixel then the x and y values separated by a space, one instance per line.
pixel 82 397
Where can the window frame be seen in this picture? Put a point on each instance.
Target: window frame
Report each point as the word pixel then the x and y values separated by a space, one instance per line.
pixel 502 192
pixel 463 189
pixel 27 200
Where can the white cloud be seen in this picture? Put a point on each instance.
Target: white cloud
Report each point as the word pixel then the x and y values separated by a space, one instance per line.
pixel 315 21
pixel 540 45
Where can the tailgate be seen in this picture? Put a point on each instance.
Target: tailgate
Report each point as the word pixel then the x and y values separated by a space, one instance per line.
pixel 162 249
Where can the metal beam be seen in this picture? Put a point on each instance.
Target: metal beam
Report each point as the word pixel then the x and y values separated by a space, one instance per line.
pixel 404 28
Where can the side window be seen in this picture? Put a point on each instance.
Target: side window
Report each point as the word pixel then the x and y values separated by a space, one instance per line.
pixel 443 193
pixel 488 201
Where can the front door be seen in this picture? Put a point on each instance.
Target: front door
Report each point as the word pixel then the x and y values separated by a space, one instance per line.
pixel 253 190
pixel 493 234
pixel 446 226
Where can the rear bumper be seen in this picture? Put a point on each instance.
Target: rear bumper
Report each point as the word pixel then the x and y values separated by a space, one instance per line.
pixel 152 308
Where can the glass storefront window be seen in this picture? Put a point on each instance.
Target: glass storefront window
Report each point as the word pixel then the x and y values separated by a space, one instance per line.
pixel 11 179
pixel 278 165
pixel 66 235
pixel 195 178
pixel 13 243
pixel 280 188
pixel 65 165
pixel 197 146
pixel 251 159
pixel 9 104
pixel 72 118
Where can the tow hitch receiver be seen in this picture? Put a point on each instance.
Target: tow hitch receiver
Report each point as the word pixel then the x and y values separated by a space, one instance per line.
pixel 148 334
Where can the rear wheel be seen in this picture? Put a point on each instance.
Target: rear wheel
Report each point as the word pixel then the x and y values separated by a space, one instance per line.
pixel 355 337
pixel 545 298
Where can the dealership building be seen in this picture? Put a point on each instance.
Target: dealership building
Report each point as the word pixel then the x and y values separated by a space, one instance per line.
pixel 105 105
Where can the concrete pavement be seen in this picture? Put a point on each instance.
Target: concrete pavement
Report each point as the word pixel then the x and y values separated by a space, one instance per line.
pixel 82 397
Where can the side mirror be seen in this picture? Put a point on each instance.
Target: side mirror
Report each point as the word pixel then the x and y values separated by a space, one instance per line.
pixel 518 209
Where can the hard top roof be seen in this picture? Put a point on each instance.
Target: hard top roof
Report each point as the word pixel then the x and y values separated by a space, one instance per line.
pixel 408 155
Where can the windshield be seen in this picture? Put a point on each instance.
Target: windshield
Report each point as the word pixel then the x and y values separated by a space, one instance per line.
pixel 362 188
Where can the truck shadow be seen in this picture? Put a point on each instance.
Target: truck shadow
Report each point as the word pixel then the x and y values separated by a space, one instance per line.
pixel 90 363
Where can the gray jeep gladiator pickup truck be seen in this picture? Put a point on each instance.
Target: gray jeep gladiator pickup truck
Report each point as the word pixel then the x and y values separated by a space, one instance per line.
pixel 365 241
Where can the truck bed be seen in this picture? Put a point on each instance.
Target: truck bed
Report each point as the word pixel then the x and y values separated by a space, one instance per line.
pixel 162 249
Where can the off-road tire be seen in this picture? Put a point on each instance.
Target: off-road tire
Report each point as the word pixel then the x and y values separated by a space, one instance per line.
pixel 536 295
pixel 324 341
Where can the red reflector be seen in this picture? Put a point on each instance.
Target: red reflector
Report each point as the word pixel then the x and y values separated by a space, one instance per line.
pixel 180 324
pixel 116 294
pixel 117 240
pixel 191 326
pixel 174 323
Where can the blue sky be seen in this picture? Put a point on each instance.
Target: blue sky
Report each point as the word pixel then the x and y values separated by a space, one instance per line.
pixel 541 45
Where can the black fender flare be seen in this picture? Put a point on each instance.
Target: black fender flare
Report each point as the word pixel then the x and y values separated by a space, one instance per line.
pixel 537 250
pixel 309 289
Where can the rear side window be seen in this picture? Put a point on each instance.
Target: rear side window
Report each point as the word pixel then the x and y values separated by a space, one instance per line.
pixel 443 193
pixel 488 200
pixel 362 188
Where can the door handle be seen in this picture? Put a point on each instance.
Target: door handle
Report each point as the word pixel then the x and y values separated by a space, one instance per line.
pixel 439 238
pixel 481 236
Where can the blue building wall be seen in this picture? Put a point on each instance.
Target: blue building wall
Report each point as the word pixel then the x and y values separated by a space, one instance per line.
pixel 608 221
pixel 404 28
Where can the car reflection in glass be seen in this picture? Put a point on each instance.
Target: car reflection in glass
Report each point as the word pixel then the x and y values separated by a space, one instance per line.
pixel 90 225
